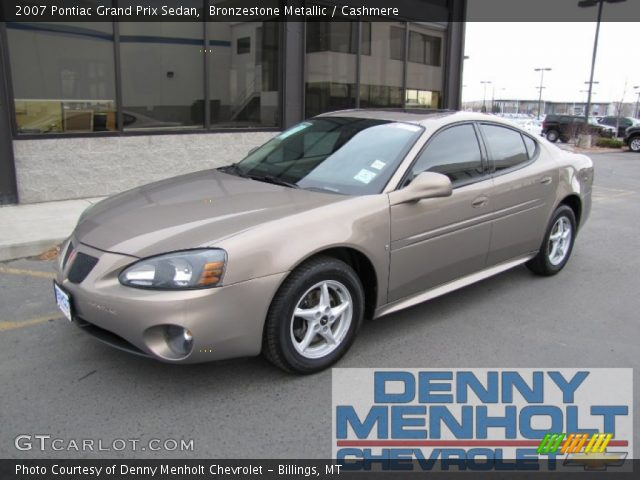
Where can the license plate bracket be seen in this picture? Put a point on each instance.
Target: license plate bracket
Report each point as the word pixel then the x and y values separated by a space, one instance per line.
pixel 63 300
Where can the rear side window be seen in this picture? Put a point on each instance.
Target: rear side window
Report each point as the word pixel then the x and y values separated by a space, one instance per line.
pixel 454 152
pixel 506 146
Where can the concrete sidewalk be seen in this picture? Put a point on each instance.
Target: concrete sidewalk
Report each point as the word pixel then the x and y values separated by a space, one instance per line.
pixel 27 230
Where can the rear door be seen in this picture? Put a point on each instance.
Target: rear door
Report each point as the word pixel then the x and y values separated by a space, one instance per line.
pixel 524 185
pixel 437 240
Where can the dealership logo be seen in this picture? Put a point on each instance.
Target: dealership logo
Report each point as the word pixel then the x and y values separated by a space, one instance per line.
pixel 584 450
pixel 482 419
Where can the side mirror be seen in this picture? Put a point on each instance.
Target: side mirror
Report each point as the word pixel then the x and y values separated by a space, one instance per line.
pixel 425 185
pixel 252 150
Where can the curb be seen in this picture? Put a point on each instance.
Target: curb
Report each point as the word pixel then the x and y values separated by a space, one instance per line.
pixel 27 249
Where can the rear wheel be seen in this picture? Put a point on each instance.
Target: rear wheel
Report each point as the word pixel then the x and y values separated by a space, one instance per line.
pixel 553 135
pixel 314 317
pixel 557 244
pixel 634 144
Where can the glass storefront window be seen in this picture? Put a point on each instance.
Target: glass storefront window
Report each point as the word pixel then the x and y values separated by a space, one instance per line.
pixel 424 48
pixel 422 99
pixel 339 36
pixel 244 74
pixel 332 71
pixel 424 71
pixel 63 77
pixel 331 64
pixel 162 71
pixel 381 75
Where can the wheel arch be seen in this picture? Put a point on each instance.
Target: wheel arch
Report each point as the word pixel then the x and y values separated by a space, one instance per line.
pixel 361 264
pixel 574 202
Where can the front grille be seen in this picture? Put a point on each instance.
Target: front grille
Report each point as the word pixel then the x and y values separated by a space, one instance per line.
pixel 81 266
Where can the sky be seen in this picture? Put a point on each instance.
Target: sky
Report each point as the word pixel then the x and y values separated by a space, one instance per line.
pixel 506 54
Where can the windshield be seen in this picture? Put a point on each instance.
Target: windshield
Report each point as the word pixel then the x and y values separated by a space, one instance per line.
pixel 351 156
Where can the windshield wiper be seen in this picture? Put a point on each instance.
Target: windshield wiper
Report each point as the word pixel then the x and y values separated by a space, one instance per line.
pixel 272 179
pixel 233 169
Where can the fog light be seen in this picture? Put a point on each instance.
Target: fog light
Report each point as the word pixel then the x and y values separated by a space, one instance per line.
pixel 179 340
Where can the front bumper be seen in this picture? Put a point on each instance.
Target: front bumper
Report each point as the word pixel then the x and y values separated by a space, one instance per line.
pixel 226 321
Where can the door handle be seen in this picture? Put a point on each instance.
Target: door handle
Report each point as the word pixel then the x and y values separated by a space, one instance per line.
pixel 479 202
pixel 545 180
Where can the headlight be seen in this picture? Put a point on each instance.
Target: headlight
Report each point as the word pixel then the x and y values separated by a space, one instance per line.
pixel 180 270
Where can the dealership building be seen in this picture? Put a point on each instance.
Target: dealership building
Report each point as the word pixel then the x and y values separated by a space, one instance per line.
pixel 94 108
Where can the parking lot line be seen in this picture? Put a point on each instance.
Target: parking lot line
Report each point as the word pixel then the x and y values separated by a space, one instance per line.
pixel 5 326
pixel 26 273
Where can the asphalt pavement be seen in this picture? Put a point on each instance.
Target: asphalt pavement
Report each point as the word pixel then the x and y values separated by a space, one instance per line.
pixel 58 381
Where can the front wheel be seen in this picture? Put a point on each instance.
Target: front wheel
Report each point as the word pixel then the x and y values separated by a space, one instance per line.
pixel 314 317
pixel 557 244
pixel 634 144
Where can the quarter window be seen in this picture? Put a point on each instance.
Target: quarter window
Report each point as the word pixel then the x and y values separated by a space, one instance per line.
pixel 506 146
pixel 531 146
pixel 455 153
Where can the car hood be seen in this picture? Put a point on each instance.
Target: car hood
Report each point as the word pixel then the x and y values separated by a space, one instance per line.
pixel 190 211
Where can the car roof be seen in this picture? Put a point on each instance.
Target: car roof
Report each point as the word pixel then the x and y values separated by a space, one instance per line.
pixel 417 116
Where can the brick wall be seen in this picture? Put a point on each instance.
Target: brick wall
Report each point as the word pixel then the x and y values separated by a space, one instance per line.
pixel 65 168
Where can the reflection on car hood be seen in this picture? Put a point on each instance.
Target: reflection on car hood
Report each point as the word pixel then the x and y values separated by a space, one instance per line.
pixel 189 211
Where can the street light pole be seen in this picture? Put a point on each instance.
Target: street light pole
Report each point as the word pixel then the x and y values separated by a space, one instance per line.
pixel 637 109
pixel 593 94
pixel 484 95
pixel 593 63
pixel 593 3
pixel 541 70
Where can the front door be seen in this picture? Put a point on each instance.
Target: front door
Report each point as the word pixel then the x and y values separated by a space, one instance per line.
pixel 437 240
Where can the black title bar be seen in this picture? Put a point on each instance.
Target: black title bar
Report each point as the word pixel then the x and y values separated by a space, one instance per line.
pixel 313 10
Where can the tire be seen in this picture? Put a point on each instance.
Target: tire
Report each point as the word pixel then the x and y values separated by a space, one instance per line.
pixel 634 143
pixel 553 136
pixel 286 334
pixel 545 263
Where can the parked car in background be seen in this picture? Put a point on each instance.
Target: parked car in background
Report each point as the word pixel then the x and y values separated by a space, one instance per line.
pixel 566 127
pixel 607 130
pixel 619 123
pixel 632 138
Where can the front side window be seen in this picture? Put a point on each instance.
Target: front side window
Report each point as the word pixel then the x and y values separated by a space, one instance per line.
pixel 454 152
pixel 506 146
pixel 352 156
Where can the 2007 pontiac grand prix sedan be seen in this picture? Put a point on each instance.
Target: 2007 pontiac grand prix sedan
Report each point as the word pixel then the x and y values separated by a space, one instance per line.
pixel 349 215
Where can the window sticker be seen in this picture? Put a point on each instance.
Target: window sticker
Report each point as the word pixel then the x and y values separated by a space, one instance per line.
pixel 378 164
pixel 292 130
pixel 406 126
pixel 365 176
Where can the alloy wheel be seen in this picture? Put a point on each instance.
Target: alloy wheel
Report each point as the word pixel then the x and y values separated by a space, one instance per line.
pixel 321 319
pixel 559 241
